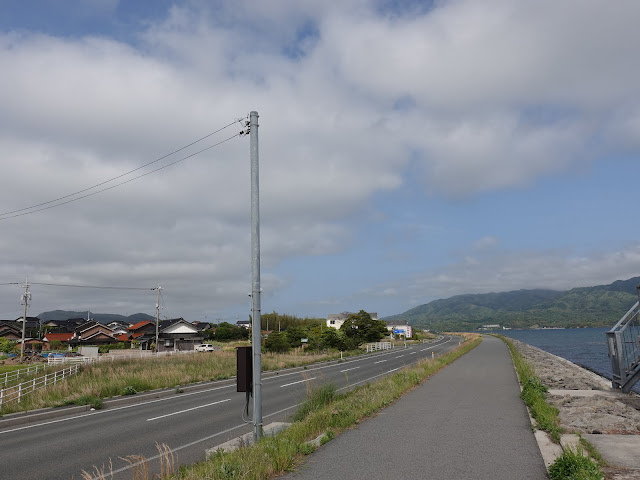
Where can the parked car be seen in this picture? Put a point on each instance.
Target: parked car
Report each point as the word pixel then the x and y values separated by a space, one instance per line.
pixel 205 347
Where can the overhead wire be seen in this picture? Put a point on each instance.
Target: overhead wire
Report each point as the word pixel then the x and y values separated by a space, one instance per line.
pixel 6 216
pixel 91 286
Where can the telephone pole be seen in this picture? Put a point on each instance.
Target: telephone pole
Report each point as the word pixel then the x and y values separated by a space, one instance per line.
pixel 158 317
pixel 256 338
pixel 26 296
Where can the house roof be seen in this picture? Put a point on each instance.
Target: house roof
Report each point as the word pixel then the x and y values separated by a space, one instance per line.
pixel 63 337
pixel 140 324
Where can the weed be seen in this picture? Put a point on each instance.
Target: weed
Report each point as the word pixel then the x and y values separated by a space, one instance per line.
pixel 129 390
pixel 534 395
pixel 317 397
pixel 327 437
pixel 573 465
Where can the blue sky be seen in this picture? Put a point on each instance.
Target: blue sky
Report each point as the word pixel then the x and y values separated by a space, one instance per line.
pixel 409 151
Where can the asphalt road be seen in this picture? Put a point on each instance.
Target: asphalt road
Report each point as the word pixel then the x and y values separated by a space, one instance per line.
pixel 189 423
pixel 466 423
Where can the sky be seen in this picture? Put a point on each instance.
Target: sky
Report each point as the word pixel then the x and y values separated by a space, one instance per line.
pixel 409 151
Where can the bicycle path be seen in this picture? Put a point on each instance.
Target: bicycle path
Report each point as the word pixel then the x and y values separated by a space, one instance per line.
pixel 465 422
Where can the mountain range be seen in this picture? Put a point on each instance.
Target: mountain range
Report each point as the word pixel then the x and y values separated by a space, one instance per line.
pixel 599 306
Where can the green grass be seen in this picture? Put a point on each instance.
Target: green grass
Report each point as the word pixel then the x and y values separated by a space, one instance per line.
pixel 324 414
pixel 534 395
pixel 574 465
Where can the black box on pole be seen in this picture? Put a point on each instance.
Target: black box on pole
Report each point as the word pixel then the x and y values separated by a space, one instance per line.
pixel 244 373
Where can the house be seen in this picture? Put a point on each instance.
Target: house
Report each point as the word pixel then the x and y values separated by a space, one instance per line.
pixel 64 338
pixel 173 335
pixel 243 324
pixel 119 327
pixel 10 330
pixel 404 330
pixel 93 333
pixel 336 320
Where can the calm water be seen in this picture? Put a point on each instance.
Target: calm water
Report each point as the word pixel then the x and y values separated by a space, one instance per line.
pixel 583 346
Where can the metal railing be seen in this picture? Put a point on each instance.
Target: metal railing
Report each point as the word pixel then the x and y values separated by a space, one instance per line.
pixel 12 376
pixel 16 392
pixel 623 341
pixel 140 354
pixel 372 347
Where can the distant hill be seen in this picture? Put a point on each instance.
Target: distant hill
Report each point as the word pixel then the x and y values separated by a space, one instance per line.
pixel 98 317
pixel 598 306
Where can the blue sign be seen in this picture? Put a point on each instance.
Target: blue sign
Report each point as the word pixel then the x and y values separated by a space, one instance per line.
pixel 398 331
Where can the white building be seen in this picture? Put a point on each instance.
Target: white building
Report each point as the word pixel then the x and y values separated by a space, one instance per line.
pixel 404 330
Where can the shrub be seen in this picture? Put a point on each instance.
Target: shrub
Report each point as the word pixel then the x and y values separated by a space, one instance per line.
pixel 277 342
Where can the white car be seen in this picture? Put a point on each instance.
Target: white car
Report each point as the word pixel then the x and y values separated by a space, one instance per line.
pixel 205 347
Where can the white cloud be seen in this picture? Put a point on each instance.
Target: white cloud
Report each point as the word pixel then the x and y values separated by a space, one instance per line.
pixel 475 97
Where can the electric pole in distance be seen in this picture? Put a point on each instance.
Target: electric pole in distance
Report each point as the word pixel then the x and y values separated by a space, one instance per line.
pixel 256 338
pixel 157 317
pixel 26 296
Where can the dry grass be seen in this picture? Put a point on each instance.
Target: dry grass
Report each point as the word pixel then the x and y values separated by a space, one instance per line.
pixel 125 377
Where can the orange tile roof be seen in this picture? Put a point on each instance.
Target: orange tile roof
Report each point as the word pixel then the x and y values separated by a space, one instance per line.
pixel 140 324
pixel 63 337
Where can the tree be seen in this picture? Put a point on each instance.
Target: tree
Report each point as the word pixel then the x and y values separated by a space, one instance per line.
pixel 277 342
pixel 361 328
pixel 6 345
pixel 226 332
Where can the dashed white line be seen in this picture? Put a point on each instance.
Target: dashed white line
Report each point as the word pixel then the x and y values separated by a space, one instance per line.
pixel 400 356
pixel 299 381
pixel 379 361
pixel 413 353
pixel 347 369
pixel 188 410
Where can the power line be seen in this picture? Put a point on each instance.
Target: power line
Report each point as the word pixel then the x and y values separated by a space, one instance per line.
pixel 112 186
pixel 92 286
pixel 6 214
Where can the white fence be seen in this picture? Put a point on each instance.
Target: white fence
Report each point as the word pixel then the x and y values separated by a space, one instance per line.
pixel 16 392
pixel 372 347
pixel 139 354
pixel 10 377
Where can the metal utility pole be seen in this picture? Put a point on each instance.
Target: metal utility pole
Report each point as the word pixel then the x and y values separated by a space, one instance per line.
pixel 256 340
pixel 26 296
pixel 158 317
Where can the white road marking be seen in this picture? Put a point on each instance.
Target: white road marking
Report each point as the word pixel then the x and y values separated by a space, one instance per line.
pixel 413 353
pixel 379 361
pixel 299 381
pixel 346 370
pixel 400 356
pixel 187 410
pixel 115 409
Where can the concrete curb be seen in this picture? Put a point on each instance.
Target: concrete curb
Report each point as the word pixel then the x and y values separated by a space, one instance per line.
pixel 245 440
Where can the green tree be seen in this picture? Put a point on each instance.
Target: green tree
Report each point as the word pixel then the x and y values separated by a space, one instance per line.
pixel 226 332
pixel 361 328
pixel 277 342
pixel 6 345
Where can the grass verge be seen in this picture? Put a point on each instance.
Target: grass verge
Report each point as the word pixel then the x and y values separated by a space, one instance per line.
pixel 534 395
pixel 325 414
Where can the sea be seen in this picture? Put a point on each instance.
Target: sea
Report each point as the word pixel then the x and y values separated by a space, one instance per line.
pixel 586 347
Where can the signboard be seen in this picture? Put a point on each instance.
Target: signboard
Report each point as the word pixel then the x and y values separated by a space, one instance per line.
pixel 304 340
pixel 398 331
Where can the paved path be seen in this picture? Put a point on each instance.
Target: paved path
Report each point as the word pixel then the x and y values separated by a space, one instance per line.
pixel 466 422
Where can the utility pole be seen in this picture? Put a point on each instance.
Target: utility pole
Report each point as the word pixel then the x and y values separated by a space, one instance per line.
pixel 26 296
pixel 157 316
pixel 256 340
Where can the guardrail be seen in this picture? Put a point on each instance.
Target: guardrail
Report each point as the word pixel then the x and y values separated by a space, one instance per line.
pixel 16 392
pixel 372 347
pixel 10 377
pixel 623 341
